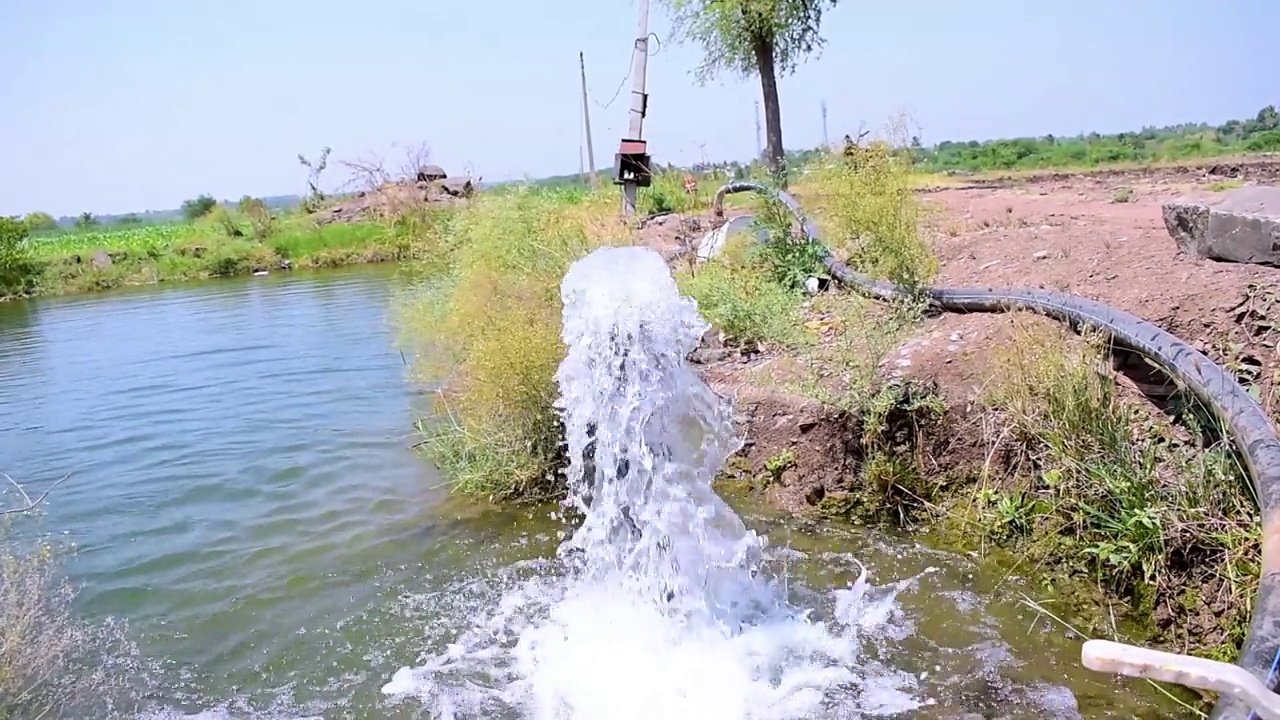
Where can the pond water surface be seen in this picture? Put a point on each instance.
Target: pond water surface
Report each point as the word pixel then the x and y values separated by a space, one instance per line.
pixel 243 491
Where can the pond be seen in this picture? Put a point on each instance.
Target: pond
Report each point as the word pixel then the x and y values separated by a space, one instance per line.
pixel 244 492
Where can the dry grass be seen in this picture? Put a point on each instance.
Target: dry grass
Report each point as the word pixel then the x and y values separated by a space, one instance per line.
pixel 52 663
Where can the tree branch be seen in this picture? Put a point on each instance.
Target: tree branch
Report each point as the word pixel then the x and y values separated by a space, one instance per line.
pixel 30 504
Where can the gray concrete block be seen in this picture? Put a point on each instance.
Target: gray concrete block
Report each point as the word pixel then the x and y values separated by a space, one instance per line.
pixel 1241 225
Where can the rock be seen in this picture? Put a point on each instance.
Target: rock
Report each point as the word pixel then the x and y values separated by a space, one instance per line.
pixel 101 260
pixel 458 187
pixel 1040 255
pixel 431 173
pixel 1241 225
pixel 811 286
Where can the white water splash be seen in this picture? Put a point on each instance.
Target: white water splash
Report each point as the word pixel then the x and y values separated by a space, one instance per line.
pixel 660 606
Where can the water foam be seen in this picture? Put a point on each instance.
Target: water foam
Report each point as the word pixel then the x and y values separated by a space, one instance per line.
pixel 660 604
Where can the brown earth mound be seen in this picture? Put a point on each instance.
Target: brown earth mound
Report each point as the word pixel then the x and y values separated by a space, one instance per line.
pixel 431 186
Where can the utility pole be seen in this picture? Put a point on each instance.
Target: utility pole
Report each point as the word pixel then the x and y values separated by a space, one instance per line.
pixel 826 142
pixel 631 165
pixel 759 149
pixel 586 121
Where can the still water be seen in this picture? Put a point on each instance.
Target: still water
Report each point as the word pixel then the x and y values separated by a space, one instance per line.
pixel 244 492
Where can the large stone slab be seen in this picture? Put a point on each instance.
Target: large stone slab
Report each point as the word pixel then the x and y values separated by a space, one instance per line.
pixel 1241 225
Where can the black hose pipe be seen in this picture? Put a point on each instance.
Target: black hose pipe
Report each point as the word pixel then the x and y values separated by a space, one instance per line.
pixel 1251 430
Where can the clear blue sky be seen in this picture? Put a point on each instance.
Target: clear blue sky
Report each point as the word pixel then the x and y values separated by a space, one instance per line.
pixel 129 105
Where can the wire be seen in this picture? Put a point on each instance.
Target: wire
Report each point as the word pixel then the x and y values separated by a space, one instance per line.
pixel 622 84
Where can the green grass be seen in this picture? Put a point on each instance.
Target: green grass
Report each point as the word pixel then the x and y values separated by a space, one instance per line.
pixel 1100 488
pixel 484 328
pixel 220 245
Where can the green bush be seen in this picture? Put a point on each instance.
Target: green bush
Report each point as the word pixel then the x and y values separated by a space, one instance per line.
pixel 18 270
pixel 868 211
pixel 484 325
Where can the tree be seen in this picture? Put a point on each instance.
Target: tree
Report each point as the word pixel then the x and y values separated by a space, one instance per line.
pixel 86 220
pixel 198 207
pixel 764 38
pixel 38 222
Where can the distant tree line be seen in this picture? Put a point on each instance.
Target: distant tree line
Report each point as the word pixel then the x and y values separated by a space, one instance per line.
pixel 1150 144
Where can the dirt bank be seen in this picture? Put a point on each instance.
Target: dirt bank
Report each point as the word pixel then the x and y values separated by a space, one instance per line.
pixel 936 458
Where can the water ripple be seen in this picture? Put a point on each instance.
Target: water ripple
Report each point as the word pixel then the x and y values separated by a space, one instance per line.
pixel 238 450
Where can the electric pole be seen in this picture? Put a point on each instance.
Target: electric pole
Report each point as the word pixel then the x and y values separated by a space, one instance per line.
pixel 826 142
pixel 632 163
pixel 759 150
pixel 586 121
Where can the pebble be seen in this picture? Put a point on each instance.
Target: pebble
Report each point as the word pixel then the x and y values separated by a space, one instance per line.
pixel 1040 255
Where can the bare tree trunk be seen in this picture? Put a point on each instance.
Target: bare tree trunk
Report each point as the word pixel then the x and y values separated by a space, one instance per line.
pixel 772 111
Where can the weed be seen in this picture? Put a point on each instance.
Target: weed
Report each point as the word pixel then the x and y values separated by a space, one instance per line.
pixel 1094 479
pixel 779 464
pixel 1224 185
pixel 484 326
pixel 1122 195
pixel 666 194
pixel 845 371
pixel 742 299
pixel 52 663
pixel 869 212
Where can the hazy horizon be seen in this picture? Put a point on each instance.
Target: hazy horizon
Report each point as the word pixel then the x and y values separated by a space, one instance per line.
pixel 117 109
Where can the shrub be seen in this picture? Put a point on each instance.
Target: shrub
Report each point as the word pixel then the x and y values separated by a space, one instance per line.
pixel 198 207
pixel 52 663
pixel 667 194
pixel 18 271
pixel 866 207
pixel 259 215
pixel 40 222
pixel 484 325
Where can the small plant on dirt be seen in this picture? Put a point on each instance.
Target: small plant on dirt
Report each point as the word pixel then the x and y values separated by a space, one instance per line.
pixel 890 487
pixel 779 464
pixel 846 369
pixel 1224 185
pixel 1122 195
pixel 792 257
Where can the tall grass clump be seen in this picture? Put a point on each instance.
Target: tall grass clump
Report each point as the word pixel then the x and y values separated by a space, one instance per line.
pixel 1101 483
pixel 666 194
pixel 485 328
pixel 868 212
pixel 753 291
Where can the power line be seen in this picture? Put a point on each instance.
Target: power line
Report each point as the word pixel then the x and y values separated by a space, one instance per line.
pixel 623 82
